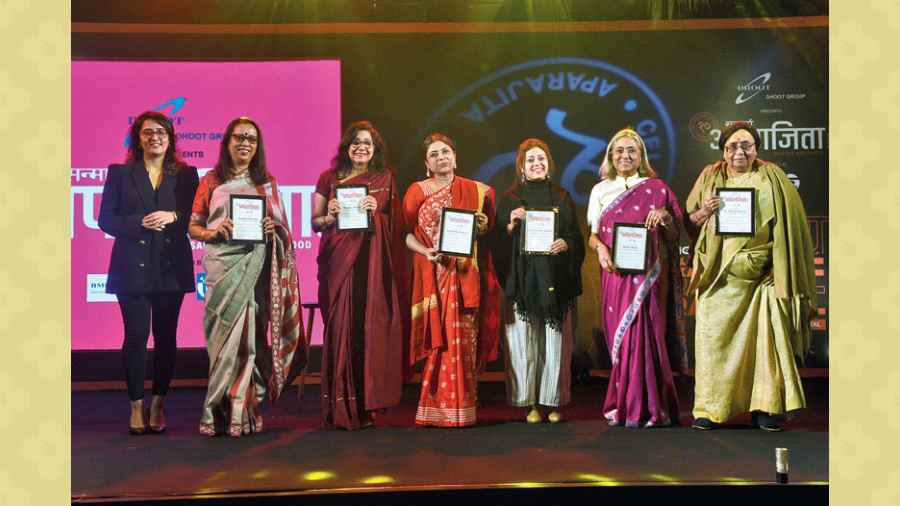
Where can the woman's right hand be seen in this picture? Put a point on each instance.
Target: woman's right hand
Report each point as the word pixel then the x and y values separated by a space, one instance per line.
pixel 711 204
pixel 223 231
pixel 334 207
pixel 606 262
pixel 515 216
pixel 432 254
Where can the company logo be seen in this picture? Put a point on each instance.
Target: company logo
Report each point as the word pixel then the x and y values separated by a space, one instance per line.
pixel 174 105
pixel 753 88
pixel 96 289
pixel 574 104
pixel 760 84
pixel 201 286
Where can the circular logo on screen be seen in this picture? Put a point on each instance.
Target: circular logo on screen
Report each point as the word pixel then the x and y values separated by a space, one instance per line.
pixel 701 126
pixel 574 104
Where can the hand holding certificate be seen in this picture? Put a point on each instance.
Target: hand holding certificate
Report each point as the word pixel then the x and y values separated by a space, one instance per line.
pixel 352 215
pixel 630 243
pixel 457 236
pixel 737 214
pixel 540 230
pixel 247 213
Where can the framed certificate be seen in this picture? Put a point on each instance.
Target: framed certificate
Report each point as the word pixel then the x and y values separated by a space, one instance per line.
pixel 539 230
pixel 247 213
pixel 737 214
pixel 457 237
pixel 630 241
pixel 352 217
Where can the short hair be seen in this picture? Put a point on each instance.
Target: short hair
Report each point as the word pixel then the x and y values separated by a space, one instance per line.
pixel 732 128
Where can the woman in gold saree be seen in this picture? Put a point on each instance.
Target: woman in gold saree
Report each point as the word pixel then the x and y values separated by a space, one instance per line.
pixel 250 287
pixel 754 293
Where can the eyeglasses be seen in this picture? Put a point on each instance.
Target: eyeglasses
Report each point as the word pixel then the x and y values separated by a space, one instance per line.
pixel 356 142
pixel 240 138
pixel 148 133
pixel 746 147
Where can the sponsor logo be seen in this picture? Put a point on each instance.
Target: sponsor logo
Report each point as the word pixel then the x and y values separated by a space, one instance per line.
pixel 794 179
pixel 96 289
pixel 753 88
pixel 574 104
pixel 759 86
pixel 201 286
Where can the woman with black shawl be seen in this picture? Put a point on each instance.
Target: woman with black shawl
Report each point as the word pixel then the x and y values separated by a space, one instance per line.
pixel 540 289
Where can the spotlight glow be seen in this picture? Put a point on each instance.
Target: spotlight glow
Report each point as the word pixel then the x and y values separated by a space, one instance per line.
pixel 259 475
pixel 732 480
pixel 606 481
pixel 528 484
pixel 378 480
pixel 318 475
pixel 663 477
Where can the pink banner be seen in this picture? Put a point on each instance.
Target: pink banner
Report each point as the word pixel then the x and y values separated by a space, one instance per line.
pixel 297 105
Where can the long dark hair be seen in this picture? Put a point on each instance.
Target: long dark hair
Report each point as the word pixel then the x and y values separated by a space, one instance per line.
pixel 257 170
pixel 341 161
pixel 527 144
pixel 171 162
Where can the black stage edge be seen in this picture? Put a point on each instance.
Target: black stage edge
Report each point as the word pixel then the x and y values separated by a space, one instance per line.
pixel 544 496
pixel 502 460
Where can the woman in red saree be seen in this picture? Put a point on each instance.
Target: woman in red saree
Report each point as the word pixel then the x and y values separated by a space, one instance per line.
pixel 642 312
pixel 455 300
pixel 360 276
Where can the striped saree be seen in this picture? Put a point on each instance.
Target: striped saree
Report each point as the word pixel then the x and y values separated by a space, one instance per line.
pixel 250 288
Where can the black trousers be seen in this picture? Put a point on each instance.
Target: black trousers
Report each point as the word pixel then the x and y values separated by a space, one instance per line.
pixel 141 313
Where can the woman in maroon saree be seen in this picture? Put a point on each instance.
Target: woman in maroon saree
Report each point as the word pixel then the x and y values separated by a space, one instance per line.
pixel 360 281
pixel 642 313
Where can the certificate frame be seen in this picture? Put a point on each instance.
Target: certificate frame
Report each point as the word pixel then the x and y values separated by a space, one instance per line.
pixel 752 194
pixel 449 212
pixel 617 243
pixel 337 225
pixel 523 236
pixel 235 198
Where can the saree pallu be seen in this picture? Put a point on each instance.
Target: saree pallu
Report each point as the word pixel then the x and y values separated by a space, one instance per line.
pixel 362 309
pixel 250 288
pixel 455 313
pixel 750 311
pixel 643 316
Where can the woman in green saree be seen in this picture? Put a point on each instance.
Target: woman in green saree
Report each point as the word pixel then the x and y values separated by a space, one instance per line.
pixel 755 293
pixel 250 288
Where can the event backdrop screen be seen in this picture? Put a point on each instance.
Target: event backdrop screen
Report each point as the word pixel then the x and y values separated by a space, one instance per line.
pixel 298 107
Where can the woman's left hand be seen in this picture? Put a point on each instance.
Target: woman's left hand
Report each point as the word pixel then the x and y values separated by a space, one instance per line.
pixel 268 225
pixel 559 246
pixel 658 217
pixel 158 220
pixel 368 203
pixel 481 222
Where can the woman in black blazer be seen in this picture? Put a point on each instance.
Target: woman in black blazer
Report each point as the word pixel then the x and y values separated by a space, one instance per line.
pixel 146 206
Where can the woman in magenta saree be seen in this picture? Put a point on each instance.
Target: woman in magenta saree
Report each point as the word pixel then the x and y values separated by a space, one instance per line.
pixel 642 313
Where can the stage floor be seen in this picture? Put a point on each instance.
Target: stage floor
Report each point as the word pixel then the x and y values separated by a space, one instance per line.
pixel 294 454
